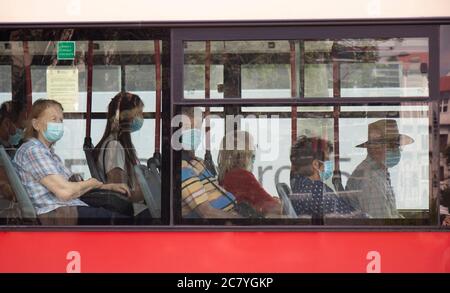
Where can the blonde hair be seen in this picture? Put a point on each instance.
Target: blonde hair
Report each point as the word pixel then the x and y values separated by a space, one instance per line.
pixel 236 151
pixel 39 106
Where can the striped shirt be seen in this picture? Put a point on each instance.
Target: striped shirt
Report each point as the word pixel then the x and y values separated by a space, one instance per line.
pixel 199 185
pixel 35 161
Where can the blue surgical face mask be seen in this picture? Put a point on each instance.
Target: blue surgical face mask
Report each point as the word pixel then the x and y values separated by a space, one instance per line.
pixel 392 157
pixel 137 123
pixel 191 139
pixel 54 131
pixel 16 137
pixel 327 170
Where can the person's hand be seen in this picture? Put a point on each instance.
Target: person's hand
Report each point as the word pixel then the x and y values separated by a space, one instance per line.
pixel 95 183
pixel 446 221
pixel 118 187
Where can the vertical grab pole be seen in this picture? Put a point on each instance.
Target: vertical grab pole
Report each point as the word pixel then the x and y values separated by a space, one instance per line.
pixel 154 163
pixel 293 92
pixel 90 59
pixel 337 179
pixel 208 158
pixel 28 85
pixel 207 92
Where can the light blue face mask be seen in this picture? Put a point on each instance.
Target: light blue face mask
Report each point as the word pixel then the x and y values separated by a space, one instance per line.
pixel 327 170
pixel 16 137
pixel 191 139
pixel 392 157
pixel 137 123
pixel 54 131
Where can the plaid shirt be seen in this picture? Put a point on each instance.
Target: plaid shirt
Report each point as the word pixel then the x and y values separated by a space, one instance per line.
pixel 198 186
pixel 370 187
pixel 34 161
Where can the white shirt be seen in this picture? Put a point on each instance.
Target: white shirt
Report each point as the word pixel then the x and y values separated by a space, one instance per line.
pixel 112 155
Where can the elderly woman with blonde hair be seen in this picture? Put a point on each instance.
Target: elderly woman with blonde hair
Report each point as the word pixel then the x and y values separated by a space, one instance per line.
pixel 236 160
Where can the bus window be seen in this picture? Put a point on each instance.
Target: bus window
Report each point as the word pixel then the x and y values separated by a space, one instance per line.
pixel 391 67
pixel 380 153
pixel 323 163
pixel 85 76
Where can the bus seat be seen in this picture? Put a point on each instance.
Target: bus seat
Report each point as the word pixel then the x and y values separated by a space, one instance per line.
pixel 283 192
pixel 209 163
pixel 93 168
pixel 151 189
pixel 26 207
pixel 337 181
pixel 154 183
pixel 154 165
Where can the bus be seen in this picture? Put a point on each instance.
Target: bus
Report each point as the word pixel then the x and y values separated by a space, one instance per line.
pixel 359 86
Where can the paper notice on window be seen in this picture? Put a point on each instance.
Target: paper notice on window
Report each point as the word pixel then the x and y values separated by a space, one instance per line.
pixel 62 86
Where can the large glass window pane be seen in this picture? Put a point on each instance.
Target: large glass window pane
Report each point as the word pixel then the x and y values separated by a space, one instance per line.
pixel 120 159
pixel 5 83
pixel 391 67
pixel 368 165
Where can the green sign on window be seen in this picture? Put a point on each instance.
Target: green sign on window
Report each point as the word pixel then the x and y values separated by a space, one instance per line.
pixel 66 50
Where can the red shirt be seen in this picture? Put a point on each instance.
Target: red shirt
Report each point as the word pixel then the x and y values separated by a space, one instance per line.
pixel 246 188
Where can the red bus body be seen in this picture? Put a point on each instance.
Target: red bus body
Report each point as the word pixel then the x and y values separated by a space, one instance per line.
pixel 185 250
pixel 207 252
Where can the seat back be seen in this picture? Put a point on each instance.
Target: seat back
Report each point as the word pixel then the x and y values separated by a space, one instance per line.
pixel 154 166
pixel 283 192
pixel 26 207
pixel 93 168
pixel 209 163
pixel 150 185
pixel 337 181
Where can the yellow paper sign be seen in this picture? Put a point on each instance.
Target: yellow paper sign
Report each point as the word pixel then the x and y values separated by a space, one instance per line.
pixel 62 86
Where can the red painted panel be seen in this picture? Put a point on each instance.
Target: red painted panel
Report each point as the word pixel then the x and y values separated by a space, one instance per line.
pixel 224 251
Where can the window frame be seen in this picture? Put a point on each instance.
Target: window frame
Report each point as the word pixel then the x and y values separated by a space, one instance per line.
pixel 180 35
pixel 317 33
pixel 173 32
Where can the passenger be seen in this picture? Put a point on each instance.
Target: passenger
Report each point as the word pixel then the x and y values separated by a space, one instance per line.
pixel 12 125
pixel 236 160
pixel 369 185
pixel 310 167
pixel 46 179
pixel 202 196
pixel 115 153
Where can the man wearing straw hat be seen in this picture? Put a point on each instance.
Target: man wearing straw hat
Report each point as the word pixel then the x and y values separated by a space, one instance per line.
pixel 370 184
